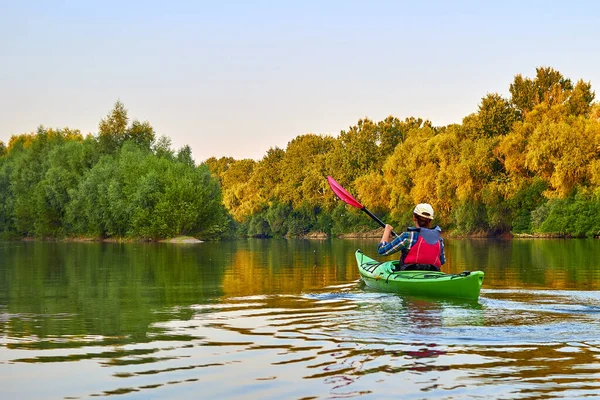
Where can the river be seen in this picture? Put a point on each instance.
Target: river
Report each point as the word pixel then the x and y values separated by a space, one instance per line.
pixel 290 319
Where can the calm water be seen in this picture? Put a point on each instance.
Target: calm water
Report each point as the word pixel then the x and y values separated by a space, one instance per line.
pixel 289 319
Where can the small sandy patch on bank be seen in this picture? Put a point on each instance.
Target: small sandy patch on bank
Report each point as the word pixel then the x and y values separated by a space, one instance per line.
pixel 181 239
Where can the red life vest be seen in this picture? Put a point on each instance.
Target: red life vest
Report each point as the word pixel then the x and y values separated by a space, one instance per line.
pixel 427 250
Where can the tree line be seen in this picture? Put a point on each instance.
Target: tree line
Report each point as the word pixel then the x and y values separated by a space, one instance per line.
pixel 529 163
pixel 123 182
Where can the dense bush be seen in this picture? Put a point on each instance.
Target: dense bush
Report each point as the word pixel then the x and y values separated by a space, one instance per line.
pixel 55 183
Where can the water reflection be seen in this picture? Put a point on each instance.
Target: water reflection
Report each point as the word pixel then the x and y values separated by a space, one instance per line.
pixel 532 263
pixel 290 319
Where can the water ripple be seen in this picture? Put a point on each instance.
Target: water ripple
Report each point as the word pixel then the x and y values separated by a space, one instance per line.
pixel 346 344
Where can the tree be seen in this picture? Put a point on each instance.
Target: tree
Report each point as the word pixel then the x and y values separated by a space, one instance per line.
pixel 400 170
pixel 137 193
pixel 581 98
pixel 219 166
pixel 184 155
pixel 553 89
pixel 373 192
pixel 32 157
pixel 523 94
pixel 114 130
pixel 6 198
pixel 162 148
pixel 546 80
pixel 560 153
pixel 392 132
pixel 140 133
pixel 236 195
pixel 67 164
pixel 266 177
pixel 356 152
pixel 303 170
pixel 497 115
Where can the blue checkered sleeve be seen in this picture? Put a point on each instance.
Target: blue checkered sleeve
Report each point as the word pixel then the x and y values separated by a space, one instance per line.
pixel 400 243
pixel 442 254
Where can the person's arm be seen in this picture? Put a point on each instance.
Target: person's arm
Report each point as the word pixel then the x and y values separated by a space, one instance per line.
pixel 385 247
pixel 442 253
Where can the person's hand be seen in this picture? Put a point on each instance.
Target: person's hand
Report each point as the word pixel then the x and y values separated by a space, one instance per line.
pixel 385 238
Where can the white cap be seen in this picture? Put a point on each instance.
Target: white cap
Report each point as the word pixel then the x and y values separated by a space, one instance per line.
pixel 424 210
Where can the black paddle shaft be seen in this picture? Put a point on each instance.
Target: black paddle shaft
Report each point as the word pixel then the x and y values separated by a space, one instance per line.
pixel 380 222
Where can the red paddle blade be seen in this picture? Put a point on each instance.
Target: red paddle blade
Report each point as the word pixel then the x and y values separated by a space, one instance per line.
pixel 342 193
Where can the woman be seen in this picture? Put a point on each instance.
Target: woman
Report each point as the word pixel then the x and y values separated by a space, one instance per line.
pixel 422 248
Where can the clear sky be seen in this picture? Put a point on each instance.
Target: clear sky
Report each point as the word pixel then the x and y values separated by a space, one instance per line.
pixel 235 78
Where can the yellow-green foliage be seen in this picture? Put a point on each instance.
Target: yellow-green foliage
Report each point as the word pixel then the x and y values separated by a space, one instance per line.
pixel 488 173
pixel 528 163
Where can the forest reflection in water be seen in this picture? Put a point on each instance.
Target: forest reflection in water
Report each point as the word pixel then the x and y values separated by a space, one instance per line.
pixel 290 319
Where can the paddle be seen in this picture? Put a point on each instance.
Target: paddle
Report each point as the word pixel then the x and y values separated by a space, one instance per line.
pixel 347 198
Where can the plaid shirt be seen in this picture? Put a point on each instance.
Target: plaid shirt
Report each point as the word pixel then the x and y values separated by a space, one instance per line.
pixel 404 242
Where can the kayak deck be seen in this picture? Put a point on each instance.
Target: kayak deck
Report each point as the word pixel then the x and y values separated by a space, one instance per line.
pixel 382 276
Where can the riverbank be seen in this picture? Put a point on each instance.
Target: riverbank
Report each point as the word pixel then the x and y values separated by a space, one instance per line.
pixel 178 239
pixel 373 234
pixel 377 233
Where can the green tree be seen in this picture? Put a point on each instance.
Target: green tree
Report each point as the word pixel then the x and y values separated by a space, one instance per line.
pixel 184 155
pixel 140 194
pixel 277 217
pixel 31 157
pixel 114 130
pixel 7 227
pixel 162 148
pixel 66 164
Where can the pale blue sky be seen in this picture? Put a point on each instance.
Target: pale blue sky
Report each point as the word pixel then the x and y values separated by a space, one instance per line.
pixel 234 78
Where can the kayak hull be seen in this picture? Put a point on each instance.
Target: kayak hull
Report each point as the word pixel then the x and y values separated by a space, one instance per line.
pixel 382 276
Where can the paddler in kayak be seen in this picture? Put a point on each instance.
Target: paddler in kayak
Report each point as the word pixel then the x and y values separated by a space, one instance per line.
pixel 422 248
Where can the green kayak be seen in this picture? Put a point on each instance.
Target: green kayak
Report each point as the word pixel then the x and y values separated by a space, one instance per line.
pixel 381 275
